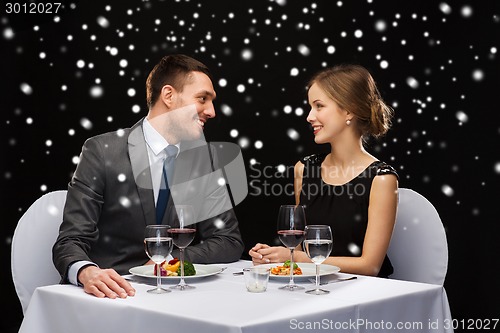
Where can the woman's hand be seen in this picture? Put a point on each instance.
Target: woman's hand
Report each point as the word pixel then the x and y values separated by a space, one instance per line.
pixel 265 254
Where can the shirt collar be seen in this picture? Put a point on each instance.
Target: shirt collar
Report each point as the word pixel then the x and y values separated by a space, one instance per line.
pixel 155 140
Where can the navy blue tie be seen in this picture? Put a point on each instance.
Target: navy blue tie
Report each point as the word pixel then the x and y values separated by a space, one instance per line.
pixel 164 192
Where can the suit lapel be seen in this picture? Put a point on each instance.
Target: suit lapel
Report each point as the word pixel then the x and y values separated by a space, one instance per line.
pixel 141 170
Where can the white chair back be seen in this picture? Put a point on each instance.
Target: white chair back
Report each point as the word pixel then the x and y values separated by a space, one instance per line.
pixel 35 234
pixel 418 249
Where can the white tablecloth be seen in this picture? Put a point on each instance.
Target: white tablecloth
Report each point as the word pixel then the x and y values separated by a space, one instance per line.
pixel 221 304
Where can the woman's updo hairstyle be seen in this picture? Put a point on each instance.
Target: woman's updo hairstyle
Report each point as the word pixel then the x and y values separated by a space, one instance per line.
pixel 352 87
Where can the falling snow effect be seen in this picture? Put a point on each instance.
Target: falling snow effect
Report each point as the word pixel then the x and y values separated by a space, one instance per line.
pixel 114 65
pixel 293 134
pixel 354 249
pixel 53 210
pixel 219 224
pixel 86 123
pixel 96 91
pixel 125 202
pixel 412 82
pixel 82 73
pixel 445 8
pixel 103 22
pixel 8 33
pixel 462 116
pixel 447 190
pixel 26 88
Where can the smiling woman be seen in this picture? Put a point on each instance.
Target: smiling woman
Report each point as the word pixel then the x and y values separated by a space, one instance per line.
pixel 350 95
pixel 348 189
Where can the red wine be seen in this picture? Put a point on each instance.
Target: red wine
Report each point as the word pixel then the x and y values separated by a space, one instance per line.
pixel 291 238
pixel 182 237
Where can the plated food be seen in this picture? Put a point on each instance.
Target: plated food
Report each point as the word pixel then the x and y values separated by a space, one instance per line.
pixel 308 270
pixel 173 268
pixel 202 271
pixel 285 269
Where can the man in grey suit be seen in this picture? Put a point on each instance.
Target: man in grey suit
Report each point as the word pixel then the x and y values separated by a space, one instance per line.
pixel 113 193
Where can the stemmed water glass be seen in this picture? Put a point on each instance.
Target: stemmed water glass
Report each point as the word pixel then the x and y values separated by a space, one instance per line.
pixel 291 223
pixel 158 245
pixel 318 245
pixel 182 232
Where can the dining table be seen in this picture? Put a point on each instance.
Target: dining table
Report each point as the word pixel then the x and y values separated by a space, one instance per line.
pixel 221 303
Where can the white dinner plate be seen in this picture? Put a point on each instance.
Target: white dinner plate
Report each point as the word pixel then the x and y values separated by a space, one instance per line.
pixel 308 271
pixel 201 271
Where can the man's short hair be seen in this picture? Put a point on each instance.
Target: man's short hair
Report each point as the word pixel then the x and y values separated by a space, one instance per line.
pixel 173 70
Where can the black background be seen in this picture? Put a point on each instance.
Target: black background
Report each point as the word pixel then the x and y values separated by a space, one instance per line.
pixel 444 142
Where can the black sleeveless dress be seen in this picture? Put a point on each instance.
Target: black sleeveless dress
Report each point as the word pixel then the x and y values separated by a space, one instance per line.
pixel 343 207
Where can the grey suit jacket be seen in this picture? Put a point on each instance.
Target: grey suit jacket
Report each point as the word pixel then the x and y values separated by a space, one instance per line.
pixel 110 201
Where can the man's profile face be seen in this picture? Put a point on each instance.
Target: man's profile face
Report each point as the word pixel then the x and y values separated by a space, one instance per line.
pixel 193 107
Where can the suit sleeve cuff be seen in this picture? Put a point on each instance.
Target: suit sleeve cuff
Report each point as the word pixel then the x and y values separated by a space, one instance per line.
pixel 74 269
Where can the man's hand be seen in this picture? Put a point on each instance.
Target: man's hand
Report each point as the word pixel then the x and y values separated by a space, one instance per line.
pixel 104 283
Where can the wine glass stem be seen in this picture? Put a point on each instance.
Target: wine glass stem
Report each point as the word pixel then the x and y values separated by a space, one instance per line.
pixel 181 252
pixel 291 266
pixel 158 277
pixel 317 276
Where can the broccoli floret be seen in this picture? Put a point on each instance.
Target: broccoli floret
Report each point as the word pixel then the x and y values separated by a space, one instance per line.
pixel 287 264
pixel 188 269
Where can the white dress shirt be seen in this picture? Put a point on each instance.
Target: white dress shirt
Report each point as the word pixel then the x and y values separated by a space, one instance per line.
pixel 156 144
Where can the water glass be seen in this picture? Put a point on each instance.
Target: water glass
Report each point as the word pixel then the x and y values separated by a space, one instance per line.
pixel 256 278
